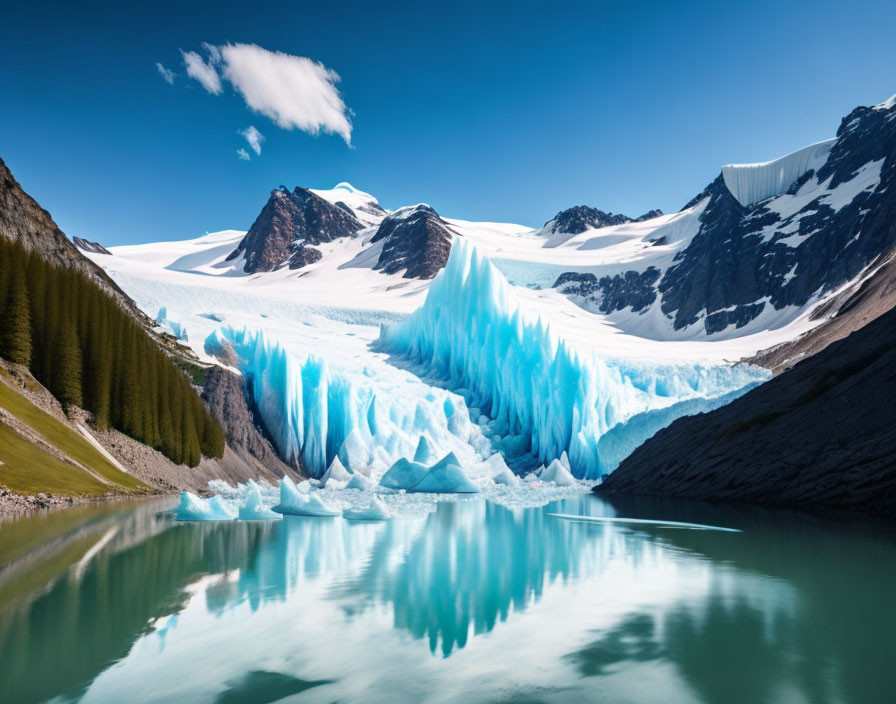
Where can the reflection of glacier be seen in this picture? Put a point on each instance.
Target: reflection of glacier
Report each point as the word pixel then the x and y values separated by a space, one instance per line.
pixel 541 394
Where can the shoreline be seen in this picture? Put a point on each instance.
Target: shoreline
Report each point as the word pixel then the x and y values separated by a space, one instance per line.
pixel 13 505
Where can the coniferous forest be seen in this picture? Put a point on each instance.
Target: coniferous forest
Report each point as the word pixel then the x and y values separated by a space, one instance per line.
pixel 80 344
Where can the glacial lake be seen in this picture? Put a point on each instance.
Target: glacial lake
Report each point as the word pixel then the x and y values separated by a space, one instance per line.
pixel 472 602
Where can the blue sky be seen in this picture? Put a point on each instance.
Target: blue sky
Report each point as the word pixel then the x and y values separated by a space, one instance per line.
pixel 498 111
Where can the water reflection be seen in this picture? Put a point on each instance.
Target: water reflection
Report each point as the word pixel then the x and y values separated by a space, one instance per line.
pixel 793 608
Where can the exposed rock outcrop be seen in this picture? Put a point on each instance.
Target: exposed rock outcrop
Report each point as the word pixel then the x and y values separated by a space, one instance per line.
pixel 821 433
pixel 225 397
pixel 635 290
pixel 579 218
pixel 88 246
pixel 415 240
pixel 288 222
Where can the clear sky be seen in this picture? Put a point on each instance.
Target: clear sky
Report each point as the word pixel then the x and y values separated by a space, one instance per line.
pixel 487 111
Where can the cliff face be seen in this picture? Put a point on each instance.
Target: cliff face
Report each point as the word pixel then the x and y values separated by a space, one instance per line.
pixel 225 397
pixel 415 240
pixel 821 433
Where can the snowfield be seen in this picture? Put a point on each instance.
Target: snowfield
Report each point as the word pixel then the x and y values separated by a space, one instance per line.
pixel 348 362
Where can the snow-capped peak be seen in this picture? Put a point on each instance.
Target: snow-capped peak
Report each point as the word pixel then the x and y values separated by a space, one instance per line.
pixel 887 104
pixel 365 207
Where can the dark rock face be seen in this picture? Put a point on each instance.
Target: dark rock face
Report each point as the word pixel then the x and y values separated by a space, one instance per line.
pixel 418 241
pixel 303 256
pixel 783 250
pixel 745 254
pixel 579 218
pixel 288 221
pixel 611 293
pixel 823 432
pixel 649 215
pixel 88 246
pixel 225 397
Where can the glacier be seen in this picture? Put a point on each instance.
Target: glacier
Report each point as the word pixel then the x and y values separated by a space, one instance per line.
pixel 751 183
pixel 542 395
pixel 367 415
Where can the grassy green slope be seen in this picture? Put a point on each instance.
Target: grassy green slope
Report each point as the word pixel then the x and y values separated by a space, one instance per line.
pixel 27 469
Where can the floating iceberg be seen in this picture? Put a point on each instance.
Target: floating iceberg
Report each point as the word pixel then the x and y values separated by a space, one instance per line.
pixel 254 509
pixel 445 479
pixel 298 503
pixel 557 473
pixel 336 474
pixel 404 474
pixel 542 395
pixel 375 511
pixel 195 508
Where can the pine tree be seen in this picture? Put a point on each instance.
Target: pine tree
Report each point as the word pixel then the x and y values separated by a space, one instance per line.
pixel 67 366
pixel 81 344
pixel 15 341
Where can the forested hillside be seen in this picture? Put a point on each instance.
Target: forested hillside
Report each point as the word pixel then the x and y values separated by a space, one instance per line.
pixel 79 342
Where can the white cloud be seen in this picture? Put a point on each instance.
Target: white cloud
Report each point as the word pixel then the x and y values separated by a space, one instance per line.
pixel 293 91
pixel 203 72
pixel 253 137
pixel 243 154
pixel 166 73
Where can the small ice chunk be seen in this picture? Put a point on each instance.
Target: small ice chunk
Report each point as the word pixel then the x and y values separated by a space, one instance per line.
pixel 375 511
pixel 254 509
pixel 403 475
pixel 195 508
pixel 359 481
pixel 336 473
pixel 558 474
pixel 297 503
pixel 500 473
pixel 424 451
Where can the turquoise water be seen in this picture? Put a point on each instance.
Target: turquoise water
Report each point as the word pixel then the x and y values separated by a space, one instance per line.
pixel 473 602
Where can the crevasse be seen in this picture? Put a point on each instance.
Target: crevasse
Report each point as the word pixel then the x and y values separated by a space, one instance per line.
pixel 543 396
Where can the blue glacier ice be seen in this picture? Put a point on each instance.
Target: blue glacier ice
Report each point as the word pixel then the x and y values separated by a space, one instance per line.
pixel 445 478
pixel 317 410
pixel 301 503
pixel 176 329
pixel 423 452
pixel 542 395
pixel 195 508
pixel 404 474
